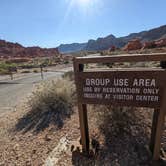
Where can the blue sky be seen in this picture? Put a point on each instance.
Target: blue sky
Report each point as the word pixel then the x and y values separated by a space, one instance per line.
pixel 48 23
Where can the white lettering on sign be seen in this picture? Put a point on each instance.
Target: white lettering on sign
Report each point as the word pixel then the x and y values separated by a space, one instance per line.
pixel 96 89
pixel 121 89
pixel 93 95
pixel 147 98
pixel 97 82
pixel 87 89
pixel 123 97
pixel 151 91
pixel 144 82
pixel 121 82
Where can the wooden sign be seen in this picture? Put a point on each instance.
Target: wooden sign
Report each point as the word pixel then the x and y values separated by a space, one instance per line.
pixel 122 87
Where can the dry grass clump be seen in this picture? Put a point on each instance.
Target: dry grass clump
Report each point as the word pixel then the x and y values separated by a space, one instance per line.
pixel 69 75
pixel 50 103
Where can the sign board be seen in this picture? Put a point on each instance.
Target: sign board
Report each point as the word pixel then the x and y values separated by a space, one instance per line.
pixel 122 87
pixel 140 88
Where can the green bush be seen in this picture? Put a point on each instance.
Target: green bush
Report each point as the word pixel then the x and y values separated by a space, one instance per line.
pixel 6 68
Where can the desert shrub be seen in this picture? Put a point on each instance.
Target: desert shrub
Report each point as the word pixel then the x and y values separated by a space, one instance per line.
pixel 52 93
pixel 35 71
pixel 69 75
pixel 6 68
pixel 25 71
pixel 66 62
pixel 50 103
pixel 109 65
pixel 28 66
pixel 3 71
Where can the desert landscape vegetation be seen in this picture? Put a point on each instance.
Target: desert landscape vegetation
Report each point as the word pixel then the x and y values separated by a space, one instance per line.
pixel 48 87
pixel 43 129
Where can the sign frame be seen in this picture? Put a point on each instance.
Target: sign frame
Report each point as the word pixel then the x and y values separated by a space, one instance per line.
pixel 158 114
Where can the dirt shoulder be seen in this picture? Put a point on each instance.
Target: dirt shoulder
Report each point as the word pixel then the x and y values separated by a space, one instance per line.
pixel 19 148
pixel 27 148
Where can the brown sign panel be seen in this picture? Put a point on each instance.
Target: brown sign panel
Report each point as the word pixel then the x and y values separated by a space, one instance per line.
pixel 127 87
pixel 140 88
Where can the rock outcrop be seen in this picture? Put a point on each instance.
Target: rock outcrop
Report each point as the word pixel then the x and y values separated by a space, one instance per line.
pixel 15 50
pixel 148 45
pixel 134 44
pixel 161 43
pixel 155 44
pixel 119 42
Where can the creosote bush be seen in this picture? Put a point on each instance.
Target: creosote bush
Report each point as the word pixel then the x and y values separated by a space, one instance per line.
pixel 50 103
pixel 50 94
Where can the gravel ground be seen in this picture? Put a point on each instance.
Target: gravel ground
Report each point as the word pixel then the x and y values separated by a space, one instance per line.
pixel 127 148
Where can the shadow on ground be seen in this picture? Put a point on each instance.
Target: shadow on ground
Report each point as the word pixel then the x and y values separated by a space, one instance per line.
pixel 4 82
pixel 126 141
pixel 39 119
pixel 80 159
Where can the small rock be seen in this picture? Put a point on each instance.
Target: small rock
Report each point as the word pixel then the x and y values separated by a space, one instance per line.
pixel 72 148
pixel 34 151
pixel 16 147
pixel 48 138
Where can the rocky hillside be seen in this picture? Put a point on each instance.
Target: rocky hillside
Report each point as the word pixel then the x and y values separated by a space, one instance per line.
pixel 8 49
pixel 15 50
pixel 104 43
pixel 107 42
pixel 74 47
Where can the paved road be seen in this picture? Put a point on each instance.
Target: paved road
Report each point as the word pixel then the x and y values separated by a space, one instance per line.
pixel 12 92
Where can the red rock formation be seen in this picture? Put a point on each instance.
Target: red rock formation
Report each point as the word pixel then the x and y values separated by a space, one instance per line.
pixel 155 44
pixel 150 44
pixel 134 44
pixel 112 48
pixel 15 50
pixel 161 42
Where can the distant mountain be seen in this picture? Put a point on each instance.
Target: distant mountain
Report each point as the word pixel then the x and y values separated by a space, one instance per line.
pixel 74 47
pixel 107 42
pixel 111 40
pixel 104 43
pixel 8 49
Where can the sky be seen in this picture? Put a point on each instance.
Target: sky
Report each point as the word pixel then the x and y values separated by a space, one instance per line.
pixel 48 23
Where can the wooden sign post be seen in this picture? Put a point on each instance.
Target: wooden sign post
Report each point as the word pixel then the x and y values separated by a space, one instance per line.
pixel 141 87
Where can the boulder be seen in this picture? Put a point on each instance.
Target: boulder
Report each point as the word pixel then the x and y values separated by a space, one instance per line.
pixel 134 44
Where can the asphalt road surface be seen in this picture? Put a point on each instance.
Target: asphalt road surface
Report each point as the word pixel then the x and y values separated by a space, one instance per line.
pixel 13 91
